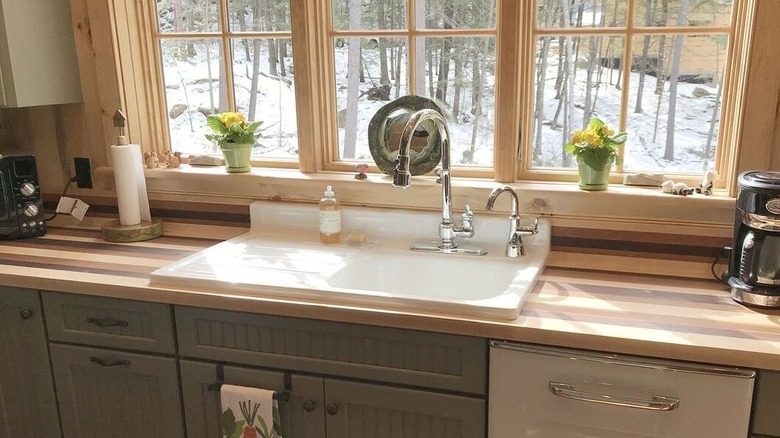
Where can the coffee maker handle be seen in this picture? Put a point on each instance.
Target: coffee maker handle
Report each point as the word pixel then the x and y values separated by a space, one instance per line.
pixel 751 251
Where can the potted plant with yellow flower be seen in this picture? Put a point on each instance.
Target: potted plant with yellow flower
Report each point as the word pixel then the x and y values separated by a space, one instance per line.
pixel 235 137
pixel 596 148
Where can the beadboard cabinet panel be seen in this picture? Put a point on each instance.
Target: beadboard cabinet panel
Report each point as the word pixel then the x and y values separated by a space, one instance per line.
pixel 109 393
pixel 360 410
pixel 27 404
pixel 408 357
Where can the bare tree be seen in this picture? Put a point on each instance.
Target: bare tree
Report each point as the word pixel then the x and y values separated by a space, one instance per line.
pixel 649 13
pixel 419 58
pixel 384 76
pixel 541 79
pixel 673 79
pixel 659 84
pixel 353 84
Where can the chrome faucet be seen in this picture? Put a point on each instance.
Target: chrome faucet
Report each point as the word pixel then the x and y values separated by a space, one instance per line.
pixel 402 179
pixel 514 246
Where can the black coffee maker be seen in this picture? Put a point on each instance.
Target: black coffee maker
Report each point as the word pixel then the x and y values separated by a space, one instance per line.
pixel 754 264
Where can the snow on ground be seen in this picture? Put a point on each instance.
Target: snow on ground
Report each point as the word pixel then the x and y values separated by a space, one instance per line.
pixel 195 83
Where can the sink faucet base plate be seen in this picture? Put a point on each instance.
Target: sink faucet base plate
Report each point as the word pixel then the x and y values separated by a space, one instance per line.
pixel 433 247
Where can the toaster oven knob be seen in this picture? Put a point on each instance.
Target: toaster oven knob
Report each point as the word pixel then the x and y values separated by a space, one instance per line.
pixel 27 189
pixel 31 210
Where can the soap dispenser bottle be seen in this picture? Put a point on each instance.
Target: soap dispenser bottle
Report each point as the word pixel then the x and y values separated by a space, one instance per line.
pixel 330 217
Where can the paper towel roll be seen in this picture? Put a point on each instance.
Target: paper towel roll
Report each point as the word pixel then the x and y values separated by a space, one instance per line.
pixel 130 184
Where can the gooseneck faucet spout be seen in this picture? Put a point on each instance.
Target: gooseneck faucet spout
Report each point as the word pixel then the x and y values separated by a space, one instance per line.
pixel 514 245
pixel 402 178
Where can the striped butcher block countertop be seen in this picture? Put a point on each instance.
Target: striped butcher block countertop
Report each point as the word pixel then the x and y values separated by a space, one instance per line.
pixel 645 315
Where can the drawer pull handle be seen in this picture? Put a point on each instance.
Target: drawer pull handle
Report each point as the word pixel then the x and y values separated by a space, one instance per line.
pixel 26 313
pixel 657 403
pixel 109 362
pixel 107 322
pixel 309 405
pixel 332 409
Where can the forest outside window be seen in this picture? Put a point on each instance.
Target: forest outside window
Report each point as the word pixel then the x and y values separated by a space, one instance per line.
pixel 655 68
pixel 228 55
pixel 441 49
pixel 659 69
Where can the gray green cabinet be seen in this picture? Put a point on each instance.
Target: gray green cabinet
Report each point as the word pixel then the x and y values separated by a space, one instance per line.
pixel 114 367
pixel 27 404
pixel 766 421
pixel 325 407
pixel 119 394
pixel 302 414
pixel 361 410
pixel 345 380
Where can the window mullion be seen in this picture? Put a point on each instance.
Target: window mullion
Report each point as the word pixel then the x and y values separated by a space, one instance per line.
pixel 308 92
pixel 507 106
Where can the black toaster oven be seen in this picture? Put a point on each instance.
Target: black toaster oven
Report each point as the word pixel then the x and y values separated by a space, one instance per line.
pixel 21 206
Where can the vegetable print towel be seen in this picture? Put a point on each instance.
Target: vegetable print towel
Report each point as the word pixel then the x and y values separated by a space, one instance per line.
pixel 249 413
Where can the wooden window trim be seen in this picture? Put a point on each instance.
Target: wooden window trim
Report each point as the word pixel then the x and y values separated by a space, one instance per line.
pixel 107 43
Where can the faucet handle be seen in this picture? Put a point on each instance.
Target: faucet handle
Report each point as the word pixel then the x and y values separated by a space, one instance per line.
pixel 467 218
pixel 527 230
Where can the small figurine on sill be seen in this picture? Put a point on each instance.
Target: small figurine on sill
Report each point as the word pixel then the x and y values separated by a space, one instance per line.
pixel 173 160
pixel 679 188
pixel 705 186
pixel 151 160
pixel 362 169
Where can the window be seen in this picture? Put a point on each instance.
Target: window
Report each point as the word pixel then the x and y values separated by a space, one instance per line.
pixel 656 69
pixel 228 55
pixel 441 49
pixel 518 77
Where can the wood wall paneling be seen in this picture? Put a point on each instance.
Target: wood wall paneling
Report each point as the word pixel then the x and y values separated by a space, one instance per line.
pixel 761 119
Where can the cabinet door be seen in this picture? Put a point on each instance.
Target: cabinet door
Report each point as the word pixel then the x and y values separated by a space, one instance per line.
pixel 302 415
pixel 358 410
pixel 27 404
pixel 122 395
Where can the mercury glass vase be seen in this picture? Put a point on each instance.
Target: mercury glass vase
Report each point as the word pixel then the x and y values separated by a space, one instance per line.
pixel 594 179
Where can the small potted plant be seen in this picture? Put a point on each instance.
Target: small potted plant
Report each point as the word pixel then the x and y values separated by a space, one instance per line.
pixel 596 148
pixel 235 137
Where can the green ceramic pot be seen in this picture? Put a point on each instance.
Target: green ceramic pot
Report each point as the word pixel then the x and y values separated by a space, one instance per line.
pixel 593 179
pixel 237 157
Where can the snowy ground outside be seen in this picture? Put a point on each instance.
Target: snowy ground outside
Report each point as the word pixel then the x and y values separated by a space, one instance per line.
pixel 194 84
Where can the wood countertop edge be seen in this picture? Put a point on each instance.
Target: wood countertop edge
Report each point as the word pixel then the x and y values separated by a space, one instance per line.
pixel 524 329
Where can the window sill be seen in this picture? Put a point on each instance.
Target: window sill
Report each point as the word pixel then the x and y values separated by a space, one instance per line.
pixel 629 206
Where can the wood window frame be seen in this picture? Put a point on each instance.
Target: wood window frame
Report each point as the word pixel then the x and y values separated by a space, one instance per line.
pixel 115 73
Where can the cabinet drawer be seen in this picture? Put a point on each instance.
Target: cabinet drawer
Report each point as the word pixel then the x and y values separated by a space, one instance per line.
pixel 408 357
pixel 109 322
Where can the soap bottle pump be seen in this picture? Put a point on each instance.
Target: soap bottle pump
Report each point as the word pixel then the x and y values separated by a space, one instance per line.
pixel 330 217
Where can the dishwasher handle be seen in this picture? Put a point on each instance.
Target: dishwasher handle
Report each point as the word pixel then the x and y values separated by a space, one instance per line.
pixel 657 403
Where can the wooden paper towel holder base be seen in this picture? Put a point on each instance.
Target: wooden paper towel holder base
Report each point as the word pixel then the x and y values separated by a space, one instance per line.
pixel 114 231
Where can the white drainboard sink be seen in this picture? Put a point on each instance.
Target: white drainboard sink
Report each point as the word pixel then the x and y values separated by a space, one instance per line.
pixel 281 258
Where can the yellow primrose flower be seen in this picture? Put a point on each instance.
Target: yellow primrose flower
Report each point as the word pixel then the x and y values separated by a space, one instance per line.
pixel 606 131
pixel 592 138
pixel 230 119
pixel 576 137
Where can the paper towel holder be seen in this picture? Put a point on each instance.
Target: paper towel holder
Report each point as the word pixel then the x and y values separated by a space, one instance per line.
pixel 115 231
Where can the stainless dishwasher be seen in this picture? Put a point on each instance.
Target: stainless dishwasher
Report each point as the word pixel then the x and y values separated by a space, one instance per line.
pixel 544 392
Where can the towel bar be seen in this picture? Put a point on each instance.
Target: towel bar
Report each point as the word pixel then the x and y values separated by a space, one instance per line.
pixel 278 395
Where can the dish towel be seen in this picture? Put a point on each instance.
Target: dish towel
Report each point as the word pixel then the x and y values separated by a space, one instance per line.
pixel 249 413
